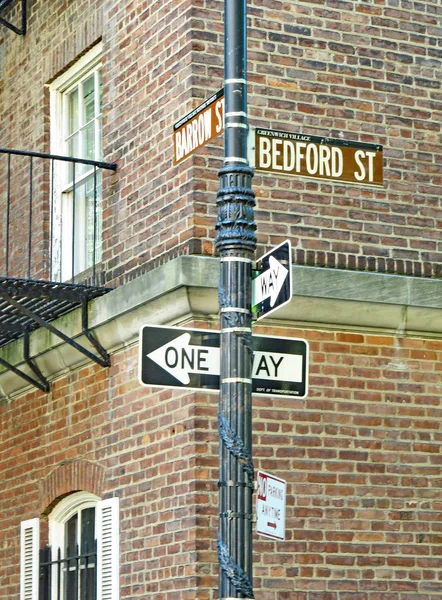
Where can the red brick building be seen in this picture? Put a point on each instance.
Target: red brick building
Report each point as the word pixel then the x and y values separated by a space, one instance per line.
pixel 123 478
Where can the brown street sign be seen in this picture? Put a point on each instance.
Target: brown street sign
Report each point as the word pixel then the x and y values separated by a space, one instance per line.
pixel 318 157
pixel 198 127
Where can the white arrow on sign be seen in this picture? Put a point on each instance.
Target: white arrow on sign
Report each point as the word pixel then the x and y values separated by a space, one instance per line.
pixel 180 359
pixel 269 283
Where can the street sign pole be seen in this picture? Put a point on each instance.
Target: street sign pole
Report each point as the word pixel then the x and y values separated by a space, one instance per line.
pixel 236 242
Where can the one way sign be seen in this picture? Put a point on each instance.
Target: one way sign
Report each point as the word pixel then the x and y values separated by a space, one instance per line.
pixel 272 284
pixel 190 358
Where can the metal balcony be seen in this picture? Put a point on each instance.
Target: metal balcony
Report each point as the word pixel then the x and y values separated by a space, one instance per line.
pixel 41 278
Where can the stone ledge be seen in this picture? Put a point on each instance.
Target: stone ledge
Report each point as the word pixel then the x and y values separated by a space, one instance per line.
pixel 187 288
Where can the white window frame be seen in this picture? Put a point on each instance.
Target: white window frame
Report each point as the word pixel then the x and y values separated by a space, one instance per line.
pixel 62 225
pixel 63 511
pixel 106 532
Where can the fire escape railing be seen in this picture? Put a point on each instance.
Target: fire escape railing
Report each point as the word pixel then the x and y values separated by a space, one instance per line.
pixel 35 288
pixel 46 199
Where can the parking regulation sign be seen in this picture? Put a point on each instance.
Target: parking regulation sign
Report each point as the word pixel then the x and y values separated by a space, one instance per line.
pixel 270 506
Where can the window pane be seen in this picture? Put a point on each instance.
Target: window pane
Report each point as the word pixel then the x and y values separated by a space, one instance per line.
pixel 94 219
pixel 88 590
pixel 72 103
pixel 88 562
pixel 78 219
pixel 99 150
pixel 74 151
pixel 88 100
pixel 73 146
pixel 87 530
pixel 88 150
pixel 71 581
pixel 71 531
pixel 100 91
pixel 87 226
pixel 71 535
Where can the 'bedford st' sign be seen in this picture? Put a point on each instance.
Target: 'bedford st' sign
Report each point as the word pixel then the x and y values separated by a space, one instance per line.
pixel 318 157
pixel 199 126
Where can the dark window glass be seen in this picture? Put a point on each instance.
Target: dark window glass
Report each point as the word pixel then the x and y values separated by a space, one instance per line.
pixel 80 554
pixel 71 536
pixel 87 529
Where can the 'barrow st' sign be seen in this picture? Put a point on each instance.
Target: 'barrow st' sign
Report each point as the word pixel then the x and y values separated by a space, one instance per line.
pixel 318 157
pixel 199 126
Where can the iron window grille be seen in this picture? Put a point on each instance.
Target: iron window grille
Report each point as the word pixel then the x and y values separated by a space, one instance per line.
pixel 72 577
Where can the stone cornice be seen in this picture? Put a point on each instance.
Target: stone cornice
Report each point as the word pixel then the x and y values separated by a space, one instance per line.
pixel 186 289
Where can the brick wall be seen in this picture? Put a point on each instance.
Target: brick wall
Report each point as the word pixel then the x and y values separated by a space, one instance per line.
pixel 101 420
pixel 366 72
pixel 58 33
pixel 361 456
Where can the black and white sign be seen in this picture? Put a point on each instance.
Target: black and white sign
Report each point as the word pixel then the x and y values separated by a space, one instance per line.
pixel 272 284
pixel 280 366
pixel 270 506
pixel 175 357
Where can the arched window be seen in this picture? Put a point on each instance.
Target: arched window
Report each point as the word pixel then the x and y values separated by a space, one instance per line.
pixel 72 538
pixel 82 560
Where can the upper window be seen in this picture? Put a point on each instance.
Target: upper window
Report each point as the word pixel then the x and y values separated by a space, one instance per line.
pixel 82 116
pixel 76 132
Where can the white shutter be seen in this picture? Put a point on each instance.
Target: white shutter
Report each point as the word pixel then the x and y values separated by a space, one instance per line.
pixel 29 559
pixel 108 550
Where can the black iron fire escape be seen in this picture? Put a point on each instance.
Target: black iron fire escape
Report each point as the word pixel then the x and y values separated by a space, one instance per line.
pixel 6 4
pixel 34 299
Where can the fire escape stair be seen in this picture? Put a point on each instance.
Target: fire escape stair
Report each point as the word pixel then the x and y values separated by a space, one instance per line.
pixel 26 305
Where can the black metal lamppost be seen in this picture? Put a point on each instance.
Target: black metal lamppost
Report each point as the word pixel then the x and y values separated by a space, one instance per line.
pixel 236 242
